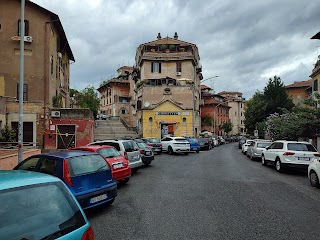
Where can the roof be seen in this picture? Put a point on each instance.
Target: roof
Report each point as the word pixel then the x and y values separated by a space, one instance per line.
pixel 203 87
pixel 18 178
pixel 307 83
pixel 56 21
pixel 66 154
pixel 224 92
pixel 167 40
pixel 317 36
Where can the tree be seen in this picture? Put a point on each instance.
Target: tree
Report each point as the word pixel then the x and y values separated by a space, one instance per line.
pixel 273 99
pixel 7 134
pixel 227 126
pixel 88 98
pixel 276 97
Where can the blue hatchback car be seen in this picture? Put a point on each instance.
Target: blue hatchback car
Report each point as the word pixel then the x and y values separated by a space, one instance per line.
pixel 39 206
pixel 86 174
pixel 194 145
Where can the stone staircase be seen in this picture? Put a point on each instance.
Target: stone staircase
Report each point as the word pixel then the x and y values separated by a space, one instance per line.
pixel 111 129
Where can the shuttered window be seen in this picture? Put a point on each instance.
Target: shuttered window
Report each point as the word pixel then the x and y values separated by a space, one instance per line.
pixel 156 67
pixel 25 92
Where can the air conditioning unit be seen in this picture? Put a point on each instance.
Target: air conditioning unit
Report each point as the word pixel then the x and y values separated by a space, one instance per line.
pixel 28 39
pixel 178 73
pixel 55 113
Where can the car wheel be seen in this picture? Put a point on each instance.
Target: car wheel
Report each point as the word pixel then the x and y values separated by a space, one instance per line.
pixel 124 181
pixel 197 151
pixel 278 165
pixel 170 150
pixel 263 161
pixel 314 180
pixel 110 202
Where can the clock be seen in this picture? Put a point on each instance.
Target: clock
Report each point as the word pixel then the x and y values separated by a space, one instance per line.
pixel 146 104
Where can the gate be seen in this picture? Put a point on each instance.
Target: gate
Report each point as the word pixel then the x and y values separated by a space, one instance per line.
pixel 66 136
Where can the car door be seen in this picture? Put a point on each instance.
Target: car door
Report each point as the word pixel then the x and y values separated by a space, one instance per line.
pixel 165 143
pixel 268 152
pixel 48 165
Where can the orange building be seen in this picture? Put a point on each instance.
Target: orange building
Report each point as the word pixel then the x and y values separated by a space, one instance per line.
pixel 299 91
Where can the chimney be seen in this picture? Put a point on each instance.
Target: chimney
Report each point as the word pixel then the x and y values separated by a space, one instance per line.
pixel 159 36
pixel 175 35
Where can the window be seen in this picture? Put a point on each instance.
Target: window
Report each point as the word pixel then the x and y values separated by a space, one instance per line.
pixel 48 166
pixel 58 45
pixel 26 27
pixel 278 145
pixel 51 64
pixel 25 92
pixel 156 67
pixel 29 164
pixel 150 121
pixel 178 67
pixel 241 105
pixel 184 121
pixel 241 114
pixel 123 111
pixel 315 85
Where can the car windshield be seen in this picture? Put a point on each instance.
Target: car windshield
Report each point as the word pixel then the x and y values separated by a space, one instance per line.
pixel 301 147
pixel 142 145
pixel 263 145
pixel 130 146
pixel 38 211
pixel 86 164
pixel 153 140
pixel 192 140
pixel 109 152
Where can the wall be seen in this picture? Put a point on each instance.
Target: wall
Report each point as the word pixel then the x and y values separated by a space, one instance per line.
pixel 298 95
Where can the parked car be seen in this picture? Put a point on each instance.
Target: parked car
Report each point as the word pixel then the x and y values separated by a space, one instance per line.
pixel 241 141
pixel 284 154
pixel 119 166
pixel 175 145
pixel 314 173
pixel 222 140
pixel 194 144
pixel 39 206
pixel 155 143
pixel 245 146
pixel 127 148
pixel 205 143
pixel 255 149
pixel 86 174
pixel 102 116
pixel 215 142
pixel 146 152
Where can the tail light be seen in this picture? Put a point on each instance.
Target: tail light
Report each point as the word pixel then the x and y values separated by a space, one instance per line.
pixel 141 151
pixel 66 173
pixel 88 235
pixel 160 145
pixel 125 154
pixel 317 155
pixel 149 144
pixel 288 153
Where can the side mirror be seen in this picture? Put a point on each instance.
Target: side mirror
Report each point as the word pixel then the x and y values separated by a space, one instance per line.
pixel 267 148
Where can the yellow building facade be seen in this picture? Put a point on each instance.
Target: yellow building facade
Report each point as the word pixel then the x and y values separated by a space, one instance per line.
pixel 167 119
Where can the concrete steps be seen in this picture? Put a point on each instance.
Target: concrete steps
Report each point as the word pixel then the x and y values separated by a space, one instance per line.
pixel 111 129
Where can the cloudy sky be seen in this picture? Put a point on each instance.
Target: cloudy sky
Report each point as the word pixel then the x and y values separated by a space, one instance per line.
pixel 243 42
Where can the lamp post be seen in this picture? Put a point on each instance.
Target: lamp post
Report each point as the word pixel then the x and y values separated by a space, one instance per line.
pixel 208 79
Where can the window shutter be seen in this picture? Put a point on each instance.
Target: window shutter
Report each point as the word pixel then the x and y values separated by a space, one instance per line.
pixel 25 92
pixel 26 27
pixel 159 67
pixel 152 67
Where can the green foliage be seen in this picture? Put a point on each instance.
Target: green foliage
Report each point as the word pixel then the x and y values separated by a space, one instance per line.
pixel 88 98
pixel 227 126
pixel 207 121
pixel 57 101
pixel 273 99
pixel 73 92
pixel 7 134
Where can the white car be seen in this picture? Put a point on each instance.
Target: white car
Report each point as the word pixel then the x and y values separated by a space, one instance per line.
pixel 245 146
pixel 175 145
pixel 314 173
pixel 284 154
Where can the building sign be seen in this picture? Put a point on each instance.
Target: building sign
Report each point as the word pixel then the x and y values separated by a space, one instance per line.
pixel 185 114
pixel 168 113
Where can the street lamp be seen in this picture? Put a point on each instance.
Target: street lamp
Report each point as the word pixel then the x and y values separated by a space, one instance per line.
pixel 208 79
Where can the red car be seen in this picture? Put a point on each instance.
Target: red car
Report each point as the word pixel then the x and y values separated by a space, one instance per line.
pixel 120 168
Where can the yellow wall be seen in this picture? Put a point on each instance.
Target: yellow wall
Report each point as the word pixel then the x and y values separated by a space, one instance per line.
pixel 154 130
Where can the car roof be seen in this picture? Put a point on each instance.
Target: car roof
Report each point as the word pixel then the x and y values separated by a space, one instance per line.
pixel 91 147
pixel 286 141
pixel 67 154
pixel 18 178
pixel 112 140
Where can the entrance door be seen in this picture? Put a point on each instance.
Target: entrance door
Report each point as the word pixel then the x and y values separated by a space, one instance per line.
pixel 27 131
pixel 66 136
pixel 167 129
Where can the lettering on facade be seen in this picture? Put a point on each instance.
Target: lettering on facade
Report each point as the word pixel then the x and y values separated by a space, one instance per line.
pixel 168 113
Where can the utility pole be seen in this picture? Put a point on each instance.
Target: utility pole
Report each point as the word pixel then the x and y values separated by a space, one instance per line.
pixel 21 83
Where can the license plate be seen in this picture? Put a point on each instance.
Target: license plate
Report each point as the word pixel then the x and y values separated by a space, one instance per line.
pixel 148 153
pixel 117 165
pixel 98 198
pixel 304 158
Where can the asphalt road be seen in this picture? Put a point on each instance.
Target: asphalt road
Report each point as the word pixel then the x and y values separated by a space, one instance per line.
pixel 216 194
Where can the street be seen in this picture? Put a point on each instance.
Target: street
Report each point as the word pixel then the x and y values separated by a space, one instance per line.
pixel 216 194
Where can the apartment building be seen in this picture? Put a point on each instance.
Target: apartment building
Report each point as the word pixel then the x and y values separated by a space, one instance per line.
pixel 47 57
pixel 300 91
pixel 167 91
pixel 237 104
pixel 115 94
pixel 214 111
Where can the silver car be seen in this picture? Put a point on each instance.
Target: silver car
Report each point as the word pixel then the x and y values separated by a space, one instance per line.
pixel 256 147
